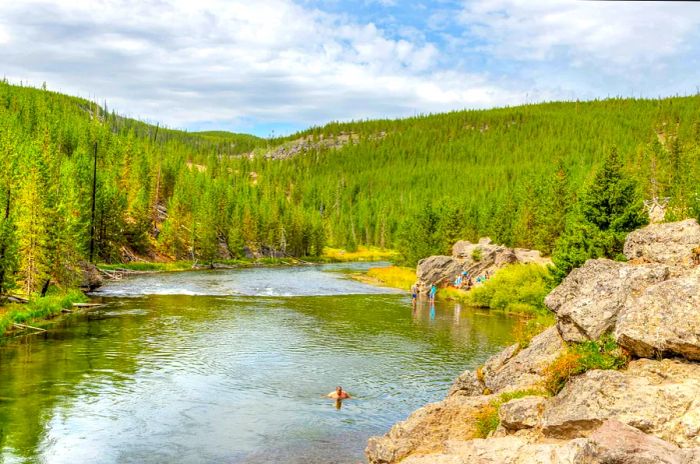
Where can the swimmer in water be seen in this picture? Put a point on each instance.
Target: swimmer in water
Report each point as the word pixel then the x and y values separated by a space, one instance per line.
pixel 338 394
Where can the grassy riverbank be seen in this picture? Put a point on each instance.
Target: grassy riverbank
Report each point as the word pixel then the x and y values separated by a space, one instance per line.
pixel 37 310
pixel 330 255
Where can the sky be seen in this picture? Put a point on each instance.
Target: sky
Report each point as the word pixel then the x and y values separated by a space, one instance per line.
pixel 271 67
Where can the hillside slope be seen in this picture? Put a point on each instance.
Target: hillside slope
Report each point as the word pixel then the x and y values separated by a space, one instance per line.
pixel 510 173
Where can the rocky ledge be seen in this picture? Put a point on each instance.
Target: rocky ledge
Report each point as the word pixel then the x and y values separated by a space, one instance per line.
pixel 648 412
pixel 475 258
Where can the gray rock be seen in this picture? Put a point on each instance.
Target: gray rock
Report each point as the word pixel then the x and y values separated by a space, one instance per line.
pixel 513 370
pixel 657 397
pixel 467 384
pixel 670 243
pixel 663 320
pixel 441 270
pixel 426 430
pixel 437 270
pixel 589 299
pixel 618 443
pixel 522 413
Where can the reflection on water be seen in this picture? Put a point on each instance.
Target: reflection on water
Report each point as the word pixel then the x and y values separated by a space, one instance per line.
pixel 191 379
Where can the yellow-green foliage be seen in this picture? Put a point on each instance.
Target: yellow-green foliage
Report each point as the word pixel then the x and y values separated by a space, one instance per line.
pixel 518 288
pixel 527 328
pixel 451 293
pixel 39 308
pixel 394 276
pixel 486 418
pixel 581 357
pixel 363 253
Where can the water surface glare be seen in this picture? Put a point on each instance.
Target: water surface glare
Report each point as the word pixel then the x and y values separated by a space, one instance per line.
pixel 215 378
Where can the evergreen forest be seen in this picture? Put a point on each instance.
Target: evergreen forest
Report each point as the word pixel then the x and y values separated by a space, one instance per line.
pixel 80 183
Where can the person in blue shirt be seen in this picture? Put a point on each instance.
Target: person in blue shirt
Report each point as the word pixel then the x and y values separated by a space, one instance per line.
pixel 433 291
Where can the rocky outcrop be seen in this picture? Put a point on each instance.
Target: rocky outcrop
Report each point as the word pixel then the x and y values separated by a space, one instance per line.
pixel 427 429
pixel 589 299
pixel 512 369
pixel 91 277
pixel 474 258
pixel 522 413
pixel 664 320
pixel 618 443
pixel 671 243
pixel 657 397
pixel 646 413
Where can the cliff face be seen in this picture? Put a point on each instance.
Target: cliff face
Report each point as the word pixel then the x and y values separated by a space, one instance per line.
pixel 475 258
pixel 648 412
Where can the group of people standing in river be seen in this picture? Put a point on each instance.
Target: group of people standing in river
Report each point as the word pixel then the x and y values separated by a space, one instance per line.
pixel 462 281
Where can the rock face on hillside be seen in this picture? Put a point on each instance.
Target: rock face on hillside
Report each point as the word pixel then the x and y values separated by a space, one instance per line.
pixel 646 413
pixel 475 258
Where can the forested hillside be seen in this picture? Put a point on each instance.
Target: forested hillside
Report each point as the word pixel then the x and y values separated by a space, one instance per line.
pixel 523 176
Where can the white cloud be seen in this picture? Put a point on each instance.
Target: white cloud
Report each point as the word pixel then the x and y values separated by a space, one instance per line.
pixel 223 62
pixel 615 35
pixel 182 62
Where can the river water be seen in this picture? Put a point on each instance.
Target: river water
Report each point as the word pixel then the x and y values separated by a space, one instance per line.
pixel 231 367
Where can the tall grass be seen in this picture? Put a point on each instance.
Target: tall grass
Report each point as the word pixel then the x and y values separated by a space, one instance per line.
pixel 394 276
pixel 39 308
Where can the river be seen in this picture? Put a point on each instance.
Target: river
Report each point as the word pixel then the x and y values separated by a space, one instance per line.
pixel 231 367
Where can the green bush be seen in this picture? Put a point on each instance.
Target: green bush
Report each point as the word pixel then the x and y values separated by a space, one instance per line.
pixel 518 288
pixel 476 254
pixel 581 357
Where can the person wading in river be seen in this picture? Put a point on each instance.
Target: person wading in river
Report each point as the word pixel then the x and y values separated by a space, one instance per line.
pixel 338 394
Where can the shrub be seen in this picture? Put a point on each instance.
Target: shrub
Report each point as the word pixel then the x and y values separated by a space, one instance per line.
pixel 518 288
pixel 476 254
pixel 527 329
pixel 581 357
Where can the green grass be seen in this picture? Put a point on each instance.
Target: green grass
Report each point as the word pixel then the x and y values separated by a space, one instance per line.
pixel 393 276
pixel 363 253
pixel 581 357
pixel 38 308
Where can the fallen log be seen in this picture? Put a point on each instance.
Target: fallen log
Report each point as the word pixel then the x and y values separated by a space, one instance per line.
pixel 29 327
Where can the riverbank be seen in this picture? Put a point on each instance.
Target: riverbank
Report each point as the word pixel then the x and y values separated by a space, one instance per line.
pixel 579 392
pixel 38 312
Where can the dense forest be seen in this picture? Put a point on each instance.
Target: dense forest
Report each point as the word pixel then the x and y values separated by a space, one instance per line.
pixel 80 183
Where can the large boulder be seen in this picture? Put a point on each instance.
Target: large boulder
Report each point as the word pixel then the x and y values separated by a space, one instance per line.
pixel 589 299
pixel 508 450
pixel 476 258
pixel 426 430
pixel 663 320
pixel 661 398
pixel 617 443
pixel 523 369
pixel 436 270
pixel 91 278
pixel 670 243
pixel 522 413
